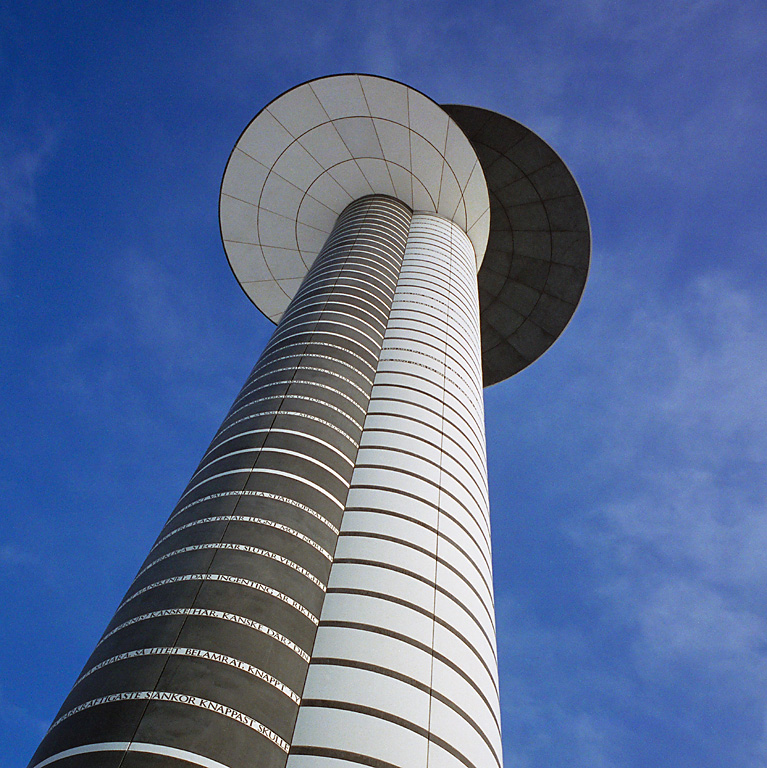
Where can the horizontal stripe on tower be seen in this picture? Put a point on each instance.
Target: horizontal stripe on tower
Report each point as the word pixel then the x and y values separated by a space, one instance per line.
pixel 389 717
pixel 178 698
pixel 483 551
pixel 299 414
pixel 231 546
pixel 329 371
pixel 384 671
pixel 210 613
pixel 274 449
pixel 320 344
pixel 246 519
pixel 263 494
pixel 182 755
pixel 424 612
pixel 416 521
pixel 268 471
pixel 198 654
pixel 479 492
pixel 484 600
pixel 227 579
pixel 403 638
pixel 424 580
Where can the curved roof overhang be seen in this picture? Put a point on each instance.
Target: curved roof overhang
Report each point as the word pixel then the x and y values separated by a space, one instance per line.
pixel 325 143
pixel 538 251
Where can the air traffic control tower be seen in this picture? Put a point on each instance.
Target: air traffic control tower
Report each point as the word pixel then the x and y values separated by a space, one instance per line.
pixel 321 596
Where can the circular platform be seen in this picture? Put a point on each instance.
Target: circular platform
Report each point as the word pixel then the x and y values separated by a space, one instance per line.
pixel 537 259
pixel 320 146
pixel 327 142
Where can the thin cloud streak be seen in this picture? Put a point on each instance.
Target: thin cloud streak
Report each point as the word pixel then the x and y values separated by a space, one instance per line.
pixel 23 160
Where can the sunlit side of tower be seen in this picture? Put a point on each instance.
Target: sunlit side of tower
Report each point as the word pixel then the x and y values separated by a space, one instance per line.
pixel 322 593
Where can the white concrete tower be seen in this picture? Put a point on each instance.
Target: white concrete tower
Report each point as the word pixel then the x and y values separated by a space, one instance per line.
pixel 322 595
pixel 404 666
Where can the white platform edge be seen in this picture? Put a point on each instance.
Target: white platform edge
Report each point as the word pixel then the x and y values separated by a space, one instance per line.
pixel 321 145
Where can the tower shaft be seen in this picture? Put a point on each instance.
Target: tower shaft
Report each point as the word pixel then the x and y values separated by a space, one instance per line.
pixel 404 670
pixel 323 586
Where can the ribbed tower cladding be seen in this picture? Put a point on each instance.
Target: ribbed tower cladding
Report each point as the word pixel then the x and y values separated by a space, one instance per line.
pixel 404 666
pixel 322 594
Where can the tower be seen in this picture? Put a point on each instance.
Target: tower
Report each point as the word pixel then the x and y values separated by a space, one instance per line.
pixel 322 593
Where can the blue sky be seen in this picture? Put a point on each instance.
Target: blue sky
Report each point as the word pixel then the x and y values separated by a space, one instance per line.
pixel 627 466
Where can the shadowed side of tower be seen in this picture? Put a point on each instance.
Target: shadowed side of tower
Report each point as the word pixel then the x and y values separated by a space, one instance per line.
pixel 206 656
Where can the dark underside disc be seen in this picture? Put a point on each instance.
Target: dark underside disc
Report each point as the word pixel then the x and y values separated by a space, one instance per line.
pixel 537 257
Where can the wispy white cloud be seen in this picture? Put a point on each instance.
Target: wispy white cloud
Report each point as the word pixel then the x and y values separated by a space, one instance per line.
pixel 23 160
pixel 12 555
pixel 678 554
pixel 668 566
pixel 547 719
